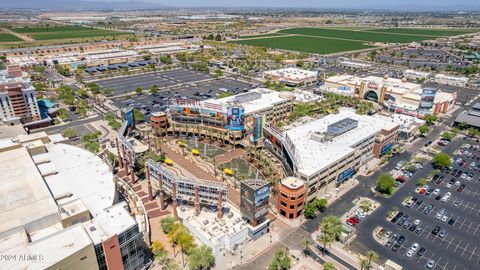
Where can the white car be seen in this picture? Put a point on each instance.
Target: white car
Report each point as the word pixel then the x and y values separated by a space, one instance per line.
pixel 430 264
pixel 457 184
pixel 438 215
pixel 436 191
pixel 414 247
pixel 444 199
pixel 463 176
pixel 416 222
pixel 448 194
pixel 449 186
pixel 410 253
pixel 444 218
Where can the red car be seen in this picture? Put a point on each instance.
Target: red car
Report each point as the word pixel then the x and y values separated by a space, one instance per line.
pixel 401 179
pixel 352 221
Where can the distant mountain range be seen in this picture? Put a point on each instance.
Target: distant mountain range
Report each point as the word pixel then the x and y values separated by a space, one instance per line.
pixel 69 5
pixel 76 5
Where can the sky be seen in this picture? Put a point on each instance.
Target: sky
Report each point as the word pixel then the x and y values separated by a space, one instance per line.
pixel 411 4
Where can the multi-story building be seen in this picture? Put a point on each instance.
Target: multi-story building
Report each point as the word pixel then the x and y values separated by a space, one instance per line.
pixel 59 207
pixel 18 102
pixel 291 76
pixel 396 95
pixel 328 151
pixel 291 197
pixel 230 118
pixel 451 80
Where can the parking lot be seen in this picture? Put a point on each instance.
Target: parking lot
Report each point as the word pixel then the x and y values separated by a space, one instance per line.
pixel 149 103
pixel 464 95
pixel 446 227
pixel 162 79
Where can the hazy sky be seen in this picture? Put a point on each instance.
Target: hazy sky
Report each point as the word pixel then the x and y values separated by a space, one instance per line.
pixel 315 3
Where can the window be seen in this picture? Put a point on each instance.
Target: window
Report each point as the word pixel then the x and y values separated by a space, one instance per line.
pixel 291 215
pixel 292 206
pixel 283 203
pixel 283 213
pixel 284 195
pixel 299 204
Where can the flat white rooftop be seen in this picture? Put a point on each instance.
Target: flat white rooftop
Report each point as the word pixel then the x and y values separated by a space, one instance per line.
pixel 24 198
pixel 78 174
pixel 112 220
pixel 52 249
pixel 312 155
pixel 255 100
pixel 292 74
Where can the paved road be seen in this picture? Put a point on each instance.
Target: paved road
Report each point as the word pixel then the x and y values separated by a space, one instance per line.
pixel 60 128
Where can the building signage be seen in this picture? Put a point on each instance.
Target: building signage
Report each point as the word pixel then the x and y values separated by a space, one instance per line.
pixel 129 117
pixel 427 98
pixel 254 202
pixel 372 85
pixel 257 132
pixel 343 176
pixel 386 148
pixel 235 118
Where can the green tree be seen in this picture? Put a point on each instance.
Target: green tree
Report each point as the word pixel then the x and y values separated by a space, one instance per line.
pixel 441 160
pixel 385 183
pixel 138 90
pixel 462 125
pixel 281 261
pixel 306 244
pixel 200 258
pixel 366 205
pixel 218 73
pixel 321 204
pixel 422 182
pixel 94 88
pixel 472 132
pixel 447 136
pixel 364 263
pixel 70 133
pixel 107 91
pixel 309 210
pixel 154 89
pixel 328 266
pixel 430 119
pixel 371 257
pixel 166 224
pixel 138 116
pixel 330 229
pixel 185 241
pixel 423 129
pixel 159 251
pixel 82 93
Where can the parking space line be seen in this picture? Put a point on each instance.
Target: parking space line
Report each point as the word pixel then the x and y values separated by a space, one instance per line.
pixel 472 253
pixel 445 266
pixel 457 246
pixel 465 248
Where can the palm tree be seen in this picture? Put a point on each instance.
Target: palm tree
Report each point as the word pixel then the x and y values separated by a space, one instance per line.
pixel 325 240
pixel 185 241
pixel 306 244
pixel 173 235
pixel 371 256
pixel 364 263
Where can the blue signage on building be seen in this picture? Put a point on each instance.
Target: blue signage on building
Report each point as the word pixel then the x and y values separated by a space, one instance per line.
pixel 386 148
pixel 235 118
pixel 345 175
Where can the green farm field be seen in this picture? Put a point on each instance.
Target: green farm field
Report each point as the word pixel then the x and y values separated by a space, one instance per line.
pixel 65 32
pixel 334 40
pixel 306 44
pixel 265 35
pixel 4 37
pixel 426 32
pixel 365 36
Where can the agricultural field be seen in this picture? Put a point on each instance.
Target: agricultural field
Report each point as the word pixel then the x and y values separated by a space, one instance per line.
pixel 365 36
pixel 64 32
pixel 265 35
pixel 334 40
pixel 309 44
pixel 5 37
pixel 426 32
